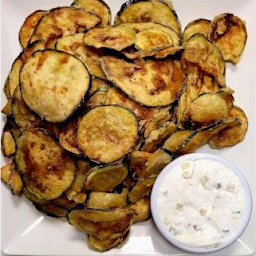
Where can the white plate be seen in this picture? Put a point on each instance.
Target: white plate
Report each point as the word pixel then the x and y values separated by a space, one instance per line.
pixel 25 231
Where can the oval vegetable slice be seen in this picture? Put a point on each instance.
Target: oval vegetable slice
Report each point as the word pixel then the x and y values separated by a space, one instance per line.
pixel 53 84
pixel 204 110
pixel 90 56
pixel 28 27
pixel 152 39
pixel 231 135
pixel 105 244
pixel 228 33
pixel 46 168
pixel 63 21
pixel 106 178
pixel 149 11
pixel 157 83
pixel 103 224
pixel 200 51
pixel 141 209
pixel 117 38
pixel 107 133
pixel 98 7
pixel 196 26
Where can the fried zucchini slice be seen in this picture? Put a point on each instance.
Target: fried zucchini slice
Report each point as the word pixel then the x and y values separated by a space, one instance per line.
pixel 31 197
pixel 63 21
pixel 103 245
pixel 24 117
pixel 173 143
pixel 157 137
pixel 53 84
pixel 142 188
pixel 228 33
pixel 152 39
pixel 231 135
pixel 202 52
pixel 141 209
pixel 52 210
pixel 114 97
pixel 196 26
pixel 98 85
pixel 105 178
pixel 7 109
pixel 128 182
pixel 157 83
pixel 11 178
pixel 8 143
pixel 107 133
pixel 226 93
pixel 200 138
pixel 68 136
pixel 28 27
pixel 75 191
pixel 90 56
pixel 103 224
pixel 99 7
pixel 12 127
pixel 204 110
pixel 103 200
pixel 64 202
pixel 97 99
pixel 149 11
pixel 47 169
pixel 117 38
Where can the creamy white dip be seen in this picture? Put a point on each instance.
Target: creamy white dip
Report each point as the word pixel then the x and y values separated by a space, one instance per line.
pixel 201 202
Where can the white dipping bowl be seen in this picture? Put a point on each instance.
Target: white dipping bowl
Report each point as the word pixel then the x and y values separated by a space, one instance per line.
pixel 164 230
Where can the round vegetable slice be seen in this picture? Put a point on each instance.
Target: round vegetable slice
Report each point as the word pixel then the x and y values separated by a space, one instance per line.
pixel 228 33
pixel 106 178
pixel 46 168
pixel 53 84
pixel 107 133
pixel 204 110
pixel 99 7
pixel 105 244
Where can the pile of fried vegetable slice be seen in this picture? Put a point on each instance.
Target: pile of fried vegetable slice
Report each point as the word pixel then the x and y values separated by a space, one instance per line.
pixel 96 111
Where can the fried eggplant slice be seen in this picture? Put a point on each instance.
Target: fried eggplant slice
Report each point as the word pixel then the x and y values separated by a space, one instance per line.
pixel 75 191
pixel 196 26
pixel 103 200
pixel 172 144
pixel 46 168
pixel 97 99
pixel 63 21
pixel 7 109
pixel 228 33
pixel 200 138
pixel 105 178
pixel 157 82
pixel 64 202
pixel 157 137
pixel 204 110
pixel 202 52
pixel 181 107
pixel 28 27
pixel 115 97
pixel 103 224
pixel 142 188
pixel 52 210
pixel 53 84
pixel 68 136
pixel 98 85
pixel 107 133
pixel 99 7
pixel 31 197
pixel 141 209
pixel 23 116
pixel 90 56
pixel 152 39
pixel 14 74
pixel 12 127
pixel 103 245
pixel 226 93
pixel 117 38
pixel 8 143
pixel 231 135
pixel 11 177
pixel 149 11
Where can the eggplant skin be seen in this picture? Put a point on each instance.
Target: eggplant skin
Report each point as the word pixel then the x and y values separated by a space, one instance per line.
pixel 46 168
pixel 49 86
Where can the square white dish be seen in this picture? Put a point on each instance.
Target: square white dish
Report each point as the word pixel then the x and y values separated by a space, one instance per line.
pixel 25 231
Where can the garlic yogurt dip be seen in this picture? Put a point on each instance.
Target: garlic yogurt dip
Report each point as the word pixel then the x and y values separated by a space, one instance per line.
pixel 201 202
